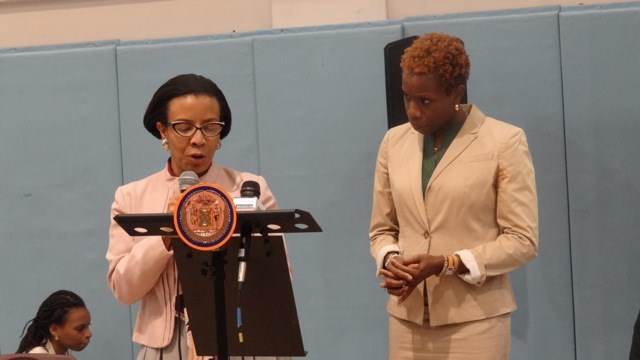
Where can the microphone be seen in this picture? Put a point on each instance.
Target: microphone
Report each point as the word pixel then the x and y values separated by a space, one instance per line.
pixel 187 179
pixel 248 201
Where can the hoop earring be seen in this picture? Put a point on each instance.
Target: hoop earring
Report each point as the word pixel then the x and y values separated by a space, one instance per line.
pixel 219 145
pixel 165 144
pixel 457 107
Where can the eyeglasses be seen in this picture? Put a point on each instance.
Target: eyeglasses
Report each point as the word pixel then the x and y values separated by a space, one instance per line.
pixel 186 129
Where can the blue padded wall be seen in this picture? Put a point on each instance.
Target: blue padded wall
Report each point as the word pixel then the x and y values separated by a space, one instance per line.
pixel 60 164
pixel 515 77
pixel 601 78
pixel 321 105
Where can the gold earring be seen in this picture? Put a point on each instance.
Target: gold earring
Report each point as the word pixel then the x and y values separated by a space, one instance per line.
pixel 165 144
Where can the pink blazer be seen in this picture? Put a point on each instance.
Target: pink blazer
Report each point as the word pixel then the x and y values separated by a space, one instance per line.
pixel 481 197
pixel 141 268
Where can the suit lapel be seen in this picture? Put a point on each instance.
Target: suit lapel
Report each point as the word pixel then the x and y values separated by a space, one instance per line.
pixel 467 134
pixel 415 172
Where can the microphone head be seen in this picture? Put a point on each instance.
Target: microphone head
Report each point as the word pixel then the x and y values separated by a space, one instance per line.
pixel 250 189
pixel 187 178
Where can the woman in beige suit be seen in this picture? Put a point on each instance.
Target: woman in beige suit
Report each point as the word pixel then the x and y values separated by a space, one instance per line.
pixel 454 211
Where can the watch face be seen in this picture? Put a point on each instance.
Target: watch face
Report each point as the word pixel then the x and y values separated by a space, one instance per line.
pixel 205 217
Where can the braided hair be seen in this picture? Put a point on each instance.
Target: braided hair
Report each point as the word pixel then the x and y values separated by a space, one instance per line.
pixel 53 310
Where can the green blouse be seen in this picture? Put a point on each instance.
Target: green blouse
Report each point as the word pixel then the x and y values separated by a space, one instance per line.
pixel 432 155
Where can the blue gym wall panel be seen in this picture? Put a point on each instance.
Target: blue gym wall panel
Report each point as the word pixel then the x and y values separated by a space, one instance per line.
pixel 322 113
pixel 601 78
pixel 60 164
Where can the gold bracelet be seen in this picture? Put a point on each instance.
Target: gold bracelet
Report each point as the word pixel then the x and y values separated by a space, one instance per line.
pixel 449 266
pixel 456 263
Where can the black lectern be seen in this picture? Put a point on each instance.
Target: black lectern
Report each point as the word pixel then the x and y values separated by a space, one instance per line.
pixel 259 320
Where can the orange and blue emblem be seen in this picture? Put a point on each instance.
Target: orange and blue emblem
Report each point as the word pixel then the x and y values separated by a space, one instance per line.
pixel 205 217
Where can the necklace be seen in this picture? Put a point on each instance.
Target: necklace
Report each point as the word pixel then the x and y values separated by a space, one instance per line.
pixel 435 152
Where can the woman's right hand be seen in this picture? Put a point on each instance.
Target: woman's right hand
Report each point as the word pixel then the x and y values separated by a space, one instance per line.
pixel 171 206
pixel 173 203
pixel 395 276
pixel 403 275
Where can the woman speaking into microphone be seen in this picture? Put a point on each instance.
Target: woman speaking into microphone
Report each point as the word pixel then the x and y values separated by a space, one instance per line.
pixel 191 117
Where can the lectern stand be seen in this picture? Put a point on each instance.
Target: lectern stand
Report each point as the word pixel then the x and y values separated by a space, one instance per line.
pixel 260 320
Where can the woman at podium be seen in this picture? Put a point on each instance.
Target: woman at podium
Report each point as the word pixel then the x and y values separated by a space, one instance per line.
pixel 190 116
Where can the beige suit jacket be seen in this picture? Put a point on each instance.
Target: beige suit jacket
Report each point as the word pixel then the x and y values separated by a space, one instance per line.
pixel 481 197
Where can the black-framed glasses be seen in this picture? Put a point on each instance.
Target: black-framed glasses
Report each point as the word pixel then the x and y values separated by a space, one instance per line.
pixel 185 128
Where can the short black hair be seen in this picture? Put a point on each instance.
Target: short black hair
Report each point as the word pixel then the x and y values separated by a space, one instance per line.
pixel 181 85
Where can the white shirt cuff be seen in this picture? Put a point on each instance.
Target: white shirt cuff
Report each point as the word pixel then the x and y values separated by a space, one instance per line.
pixel 382 253
pixel 473 276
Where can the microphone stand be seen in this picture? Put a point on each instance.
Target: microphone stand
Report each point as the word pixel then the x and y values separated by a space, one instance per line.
pixel 244 245
pixel 217 262
pixel 243 252
pixel 203 278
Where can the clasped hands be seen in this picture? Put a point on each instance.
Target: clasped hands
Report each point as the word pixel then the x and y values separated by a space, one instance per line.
pixel 402 275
